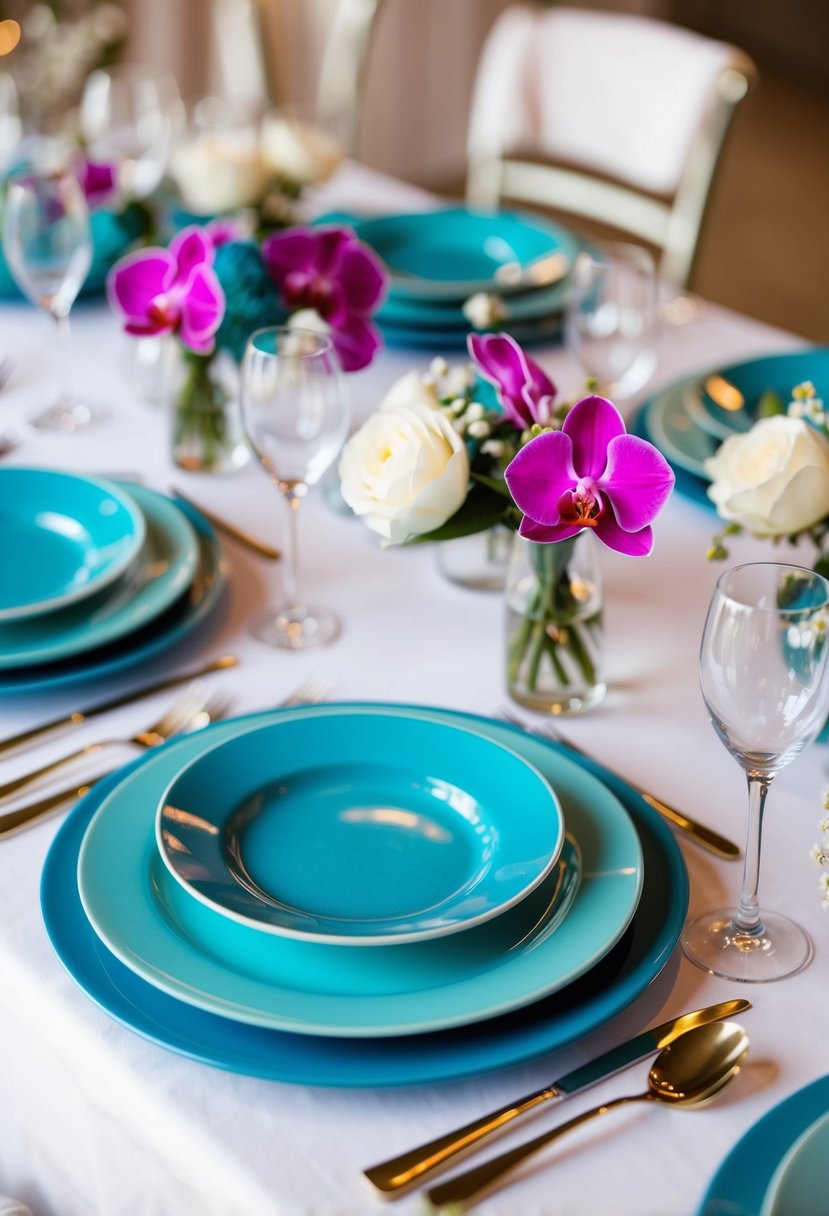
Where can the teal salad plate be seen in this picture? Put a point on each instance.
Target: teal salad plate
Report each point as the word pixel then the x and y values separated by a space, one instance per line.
pixel 453 253
pixel 671 428
pixel 359 829
pixel 540 1027
pixel 445 340
pixel 778 374
pixel 65 538
pixel 193 608
pixel 799 1182
pixel 161 574
pixel 210 961
pixel 689 485
pixel 747 1182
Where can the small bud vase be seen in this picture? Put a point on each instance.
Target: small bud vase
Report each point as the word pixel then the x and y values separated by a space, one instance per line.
pixel 478 562
pixel 554 632
pixel 206 429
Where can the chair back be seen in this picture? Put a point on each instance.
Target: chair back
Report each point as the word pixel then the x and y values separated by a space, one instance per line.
pixel 608 117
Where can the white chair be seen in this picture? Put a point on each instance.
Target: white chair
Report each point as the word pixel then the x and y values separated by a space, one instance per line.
pixel 608 117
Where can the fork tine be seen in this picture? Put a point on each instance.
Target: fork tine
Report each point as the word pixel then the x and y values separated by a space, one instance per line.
pixel 313 689
pixel 178 714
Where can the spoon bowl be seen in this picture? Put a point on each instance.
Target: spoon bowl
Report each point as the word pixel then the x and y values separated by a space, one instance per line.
pixel 691 1071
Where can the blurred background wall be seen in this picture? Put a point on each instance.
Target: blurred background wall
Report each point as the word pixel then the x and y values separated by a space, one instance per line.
pixel 765 249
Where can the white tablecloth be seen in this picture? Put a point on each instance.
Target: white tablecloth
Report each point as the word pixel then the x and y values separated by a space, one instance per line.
pixel 96 1120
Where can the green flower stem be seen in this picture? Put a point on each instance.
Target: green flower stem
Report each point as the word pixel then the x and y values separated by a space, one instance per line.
pixel 200 419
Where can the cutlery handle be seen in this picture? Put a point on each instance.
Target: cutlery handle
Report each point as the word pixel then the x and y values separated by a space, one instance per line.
pixel 257 546
pixel 474 1182
pixel 396 1175
pixel 27 779
pixel 13 821
pixel 704 836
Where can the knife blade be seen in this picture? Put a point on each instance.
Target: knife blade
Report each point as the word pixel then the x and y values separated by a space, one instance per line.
pixel 399 1174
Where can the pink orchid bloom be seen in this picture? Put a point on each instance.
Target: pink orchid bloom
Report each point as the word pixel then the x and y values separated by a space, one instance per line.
pixel 98 181
pixel 526 393
pixel 330 271
pixel 591 474
pixel 175 290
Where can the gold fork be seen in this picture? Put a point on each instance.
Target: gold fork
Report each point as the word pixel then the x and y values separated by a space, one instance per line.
pixel 170 723
pixel 202 713
pixel 706 837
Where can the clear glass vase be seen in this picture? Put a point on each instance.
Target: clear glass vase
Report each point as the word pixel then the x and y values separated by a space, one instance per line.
pixel 206 428
pixel 554 629
pixel 479 561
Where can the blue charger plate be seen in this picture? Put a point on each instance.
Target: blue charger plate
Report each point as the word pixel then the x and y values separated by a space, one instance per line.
pixel 66 539
pixel 170 629
pixel 687 484
pixel 406 830
pixel 310 1060
pixel 753 377
pixel 740 1185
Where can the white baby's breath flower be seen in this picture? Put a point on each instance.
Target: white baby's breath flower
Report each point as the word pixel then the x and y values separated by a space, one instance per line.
pixel 494 447
pixel 478 429
pixel 824 889
pixel 474 411
pixel 817 855
pixel 438 367
pixel 484 311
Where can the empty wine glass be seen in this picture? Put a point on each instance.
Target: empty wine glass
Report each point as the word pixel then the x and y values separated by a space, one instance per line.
pixel 764 674
pixel 11 127
pixel 48 247
pixel 611 317
pixel 295 414
pixel 128 116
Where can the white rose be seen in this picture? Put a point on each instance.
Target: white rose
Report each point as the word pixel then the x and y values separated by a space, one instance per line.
pixel 405 471
pixel 774 479
pixel 411 389
pixel 218 173
pixel 301 152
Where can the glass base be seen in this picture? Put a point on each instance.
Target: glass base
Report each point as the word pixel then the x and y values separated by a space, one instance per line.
pixel 67 416
pixel 779 948
pixel 296 628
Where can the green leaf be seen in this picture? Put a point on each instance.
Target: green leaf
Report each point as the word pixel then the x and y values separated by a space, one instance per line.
pixel 770 403
pixel 822 565
pixel 496 484
pixel 483 509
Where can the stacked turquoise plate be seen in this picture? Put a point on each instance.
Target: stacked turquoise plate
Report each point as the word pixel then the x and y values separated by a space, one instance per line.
pixel 362 895
pixel 99 577
pixel 437 260
pixel 690 418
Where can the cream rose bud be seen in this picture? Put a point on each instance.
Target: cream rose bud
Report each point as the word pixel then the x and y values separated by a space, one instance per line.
pixel 302 152
pixel 405 471
pixel 219 173
pixel 773 479
pixel 411 389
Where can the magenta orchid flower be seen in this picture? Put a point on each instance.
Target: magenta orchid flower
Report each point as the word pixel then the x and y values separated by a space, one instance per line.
pixel 590 474
pixel 330 271
pixel 175 290
pixel 98 181
pixel 525 392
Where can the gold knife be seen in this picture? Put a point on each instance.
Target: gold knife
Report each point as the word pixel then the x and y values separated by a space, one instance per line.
pixel 400 1174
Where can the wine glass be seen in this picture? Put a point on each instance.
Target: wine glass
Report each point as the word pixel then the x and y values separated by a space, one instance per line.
pixel 128 116
pixel 295 413
pixel 764 674
pixel 11 127
pixel 611 317
pixel 48 246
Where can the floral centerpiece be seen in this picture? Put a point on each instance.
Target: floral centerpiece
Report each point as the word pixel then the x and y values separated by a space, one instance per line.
pixel 211 291
pixel 460 450
pixel 773 480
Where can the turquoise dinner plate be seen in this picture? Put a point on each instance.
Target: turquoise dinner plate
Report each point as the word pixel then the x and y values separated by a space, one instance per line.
pixel 687 484
pixel 129 653
pixel 776 373
pixel 543 1026
pixel 743 1181
pixel 64 538
pixel 444 340
pixel 162 573
pixel 359 829
pixel 216 964
pixel 674 432
pixel 451 254
pixel 532 305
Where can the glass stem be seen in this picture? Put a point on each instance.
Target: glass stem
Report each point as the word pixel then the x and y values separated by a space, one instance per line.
pixel 290 580
pixel 747 916
pixel 64 353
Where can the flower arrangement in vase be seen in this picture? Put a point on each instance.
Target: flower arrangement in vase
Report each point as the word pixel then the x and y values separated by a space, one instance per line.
pixel 451 454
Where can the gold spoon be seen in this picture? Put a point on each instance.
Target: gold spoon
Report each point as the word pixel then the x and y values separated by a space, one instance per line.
pixel 690 1071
